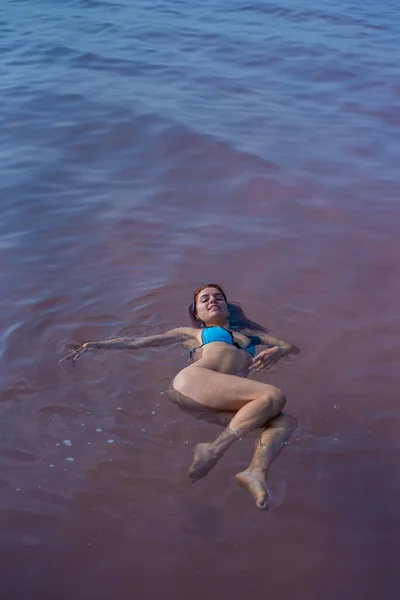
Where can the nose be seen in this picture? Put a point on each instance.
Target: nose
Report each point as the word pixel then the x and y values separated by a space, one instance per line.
pixel 213 302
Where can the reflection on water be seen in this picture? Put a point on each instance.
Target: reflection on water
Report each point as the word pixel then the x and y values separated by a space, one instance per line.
pixel 148 149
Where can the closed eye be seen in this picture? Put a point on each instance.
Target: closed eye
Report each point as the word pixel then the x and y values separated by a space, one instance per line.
pixel 206 298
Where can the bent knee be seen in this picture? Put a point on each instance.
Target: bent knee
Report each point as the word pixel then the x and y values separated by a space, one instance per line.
pixel 277 398
pixel 287 421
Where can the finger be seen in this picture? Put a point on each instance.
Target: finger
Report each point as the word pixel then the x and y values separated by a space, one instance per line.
pixel 76 356
pixel 68 357
pixel 72 356
pixel 265 365
pixel 269 364
pixel 256 364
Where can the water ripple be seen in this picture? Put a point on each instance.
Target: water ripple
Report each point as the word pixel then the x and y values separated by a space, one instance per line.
pixel 146 147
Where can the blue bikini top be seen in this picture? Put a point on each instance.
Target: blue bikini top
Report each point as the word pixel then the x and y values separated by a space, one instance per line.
pixel 219 334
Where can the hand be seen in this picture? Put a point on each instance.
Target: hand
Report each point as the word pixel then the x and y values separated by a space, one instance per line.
pixel 267 358
pixel 76 353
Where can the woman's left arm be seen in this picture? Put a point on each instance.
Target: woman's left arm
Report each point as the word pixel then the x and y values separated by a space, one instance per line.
pixel 269 340
pixel 276 350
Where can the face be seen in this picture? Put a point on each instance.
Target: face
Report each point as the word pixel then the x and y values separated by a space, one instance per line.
pixel 211 307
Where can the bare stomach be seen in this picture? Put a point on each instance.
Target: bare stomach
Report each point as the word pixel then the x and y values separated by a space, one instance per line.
pixel 223 358
pixel 218 358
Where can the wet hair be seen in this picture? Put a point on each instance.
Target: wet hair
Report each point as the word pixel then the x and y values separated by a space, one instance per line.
pixel 237 318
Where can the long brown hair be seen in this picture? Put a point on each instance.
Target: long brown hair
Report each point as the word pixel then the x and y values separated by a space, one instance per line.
pixel 237 318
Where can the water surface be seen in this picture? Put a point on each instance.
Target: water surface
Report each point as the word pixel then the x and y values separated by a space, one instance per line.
pixel 150 147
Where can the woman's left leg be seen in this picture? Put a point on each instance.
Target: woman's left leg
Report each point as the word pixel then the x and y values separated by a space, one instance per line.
pixel 267 447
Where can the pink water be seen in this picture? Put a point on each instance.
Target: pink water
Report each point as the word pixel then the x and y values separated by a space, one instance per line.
pixel 150 147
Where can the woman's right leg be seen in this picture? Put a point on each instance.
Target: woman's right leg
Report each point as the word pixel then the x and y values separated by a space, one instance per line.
pixel 256 403
pixel 198 411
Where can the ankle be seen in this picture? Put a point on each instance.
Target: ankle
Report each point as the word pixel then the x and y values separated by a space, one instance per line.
pixel 226 439
pixel 256 470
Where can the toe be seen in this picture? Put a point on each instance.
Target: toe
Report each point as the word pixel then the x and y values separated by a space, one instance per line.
pixel 263 504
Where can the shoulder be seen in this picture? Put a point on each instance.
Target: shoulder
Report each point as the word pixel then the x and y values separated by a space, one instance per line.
pixel 254 335
pixel 186 333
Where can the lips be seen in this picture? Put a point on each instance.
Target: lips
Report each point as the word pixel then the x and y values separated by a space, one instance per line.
pixel 214 307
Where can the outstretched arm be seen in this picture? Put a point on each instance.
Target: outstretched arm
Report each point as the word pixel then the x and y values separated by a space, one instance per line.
pixel 180 334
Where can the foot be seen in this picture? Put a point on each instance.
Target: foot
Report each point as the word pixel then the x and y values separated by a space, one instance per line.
pixel 205 458
pixel 254 482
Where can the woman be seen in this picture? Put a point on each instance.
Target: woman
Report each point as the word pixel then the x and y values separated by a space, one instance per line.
pixel 216 383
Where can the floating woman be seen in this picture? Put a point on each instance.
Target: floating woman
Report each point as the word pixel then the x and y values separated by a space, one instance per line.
pixel 214 386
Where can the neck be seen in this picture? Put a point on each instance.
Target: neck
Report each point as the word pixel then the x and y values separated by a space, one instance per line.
pixel 223 324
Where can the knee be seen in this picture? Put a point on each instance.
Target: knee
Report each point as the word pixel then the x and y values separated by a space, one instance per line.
pixel 280 400
pixel 277 398
pixel 288 421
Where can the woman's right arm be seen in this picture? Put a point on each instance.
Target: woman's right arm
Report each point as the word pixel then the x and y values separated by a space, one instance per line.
pixel 180 334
